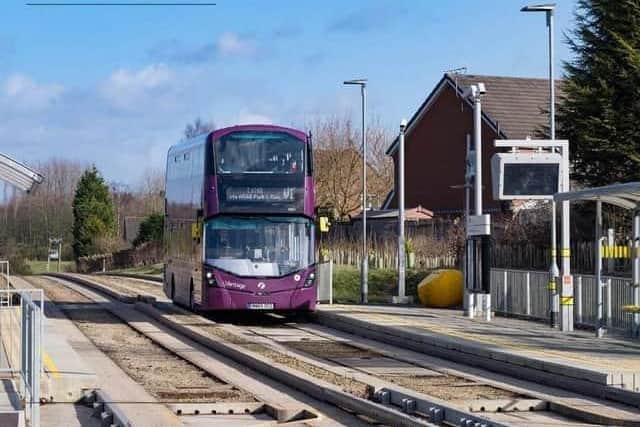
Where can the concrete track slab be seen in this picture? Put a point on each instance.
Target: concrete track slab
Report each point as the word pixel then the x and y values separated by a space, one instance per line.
pixel 609 361
pixel 262 387
pixel 66 375
pixel 133 400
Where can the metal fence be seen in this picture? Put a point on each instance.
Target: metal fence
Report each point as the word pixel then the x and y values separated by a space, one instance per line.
pixel 524 293
pixel 21 332
pixel 324 279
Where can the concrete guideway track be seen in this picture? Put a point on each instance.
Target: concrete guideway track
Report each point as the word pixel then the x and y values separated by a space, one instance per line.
pixel 288 405
pixel 585 410
pixel 110 378
pixel 471 387
pixel 429 334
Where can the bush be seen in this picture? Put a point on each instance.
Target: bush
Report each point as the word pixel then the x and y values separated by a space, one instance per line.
pixel 382 284
pixel 18 265
pixel 151 229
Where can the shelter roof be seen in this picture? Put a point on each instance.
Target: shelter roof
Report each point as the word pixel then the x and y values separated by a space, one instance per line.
pixel 623 195
pixel 17 174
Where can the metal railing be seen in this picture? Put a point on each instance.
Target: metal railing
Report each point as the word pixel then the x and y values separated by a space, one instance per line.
pixel 21 332
pixel 324 280
pixel 525 294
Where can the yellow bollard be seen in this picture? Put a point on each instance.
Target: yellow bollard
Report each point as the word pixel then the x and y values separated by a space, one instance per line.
pixel 441 289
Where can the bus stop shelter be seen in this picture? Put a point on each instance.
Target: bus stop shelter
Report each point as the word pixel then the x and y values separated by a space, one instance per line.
pixel 626 196
pixel 18 175
pixel 28 328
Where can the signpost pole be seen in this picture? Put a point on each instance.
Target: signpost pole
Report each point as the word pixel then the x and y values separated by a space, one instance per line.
pixel 478 226
pixel 566 299
pixel 401 298
pixel 566 296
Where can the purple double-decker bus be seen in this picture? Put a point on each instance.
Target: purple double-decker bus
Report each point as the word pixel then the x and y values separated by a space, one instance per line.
pixel 239 220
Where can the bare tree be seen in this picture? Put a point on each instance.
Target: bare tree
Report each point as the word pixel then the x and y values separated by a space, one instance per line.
pixel 338 165
pixel 150 190
pixel 30 220
pixel 198 127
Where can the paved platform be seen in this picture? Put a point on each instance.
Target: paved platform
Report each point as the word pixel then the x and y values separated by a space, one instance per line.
pixel 511 345
pixel 11 413
pixel 66 375
pixel 131 398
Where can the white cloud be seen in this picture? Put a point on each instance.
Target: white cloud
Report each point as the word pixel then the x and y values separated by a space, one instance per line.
pixel 24 93
pixel 247 117
pixel 130 90
pixel 232 44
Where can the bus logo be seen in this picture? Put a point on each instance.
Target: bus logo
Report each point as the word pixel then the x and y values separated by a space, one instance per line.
pixel 296 277
pixel 262 285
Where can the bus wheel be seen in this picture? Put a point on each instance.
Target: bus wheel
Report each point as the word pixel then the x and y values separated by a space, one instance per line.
pixel 173 287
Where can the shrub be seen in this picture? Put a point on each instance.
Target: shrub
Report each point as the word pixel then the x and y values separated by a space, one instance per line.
pixel 151 229
pixel 382 284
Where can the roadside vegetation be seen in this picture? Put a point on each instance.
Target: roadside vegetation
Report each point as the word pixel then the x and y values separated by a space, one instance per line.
pixel 152 270
pixel 382 284
pixel 151 229
pixel 39 267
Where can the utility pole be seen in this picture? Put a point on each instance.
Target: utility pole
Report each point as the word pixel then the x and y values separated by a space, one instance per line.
pixel 554 273
pixel 477 255
pixel 364 270
pixel 401 298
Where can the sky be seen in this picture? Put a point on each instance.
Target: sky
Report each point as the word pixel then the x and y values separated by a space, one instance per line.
pixel 115 86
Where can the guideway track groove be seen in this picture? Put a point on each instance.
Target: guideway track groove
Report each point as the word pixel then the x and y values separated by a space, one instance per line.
pixel 399 389
pixel 344 401
pixel 470 354
pixel 283 411
pixel 309 385
pixel 577 407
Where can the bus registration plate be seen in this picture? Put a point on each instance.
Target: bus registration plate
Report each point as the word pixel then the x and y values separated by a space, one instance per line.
pixel 261 306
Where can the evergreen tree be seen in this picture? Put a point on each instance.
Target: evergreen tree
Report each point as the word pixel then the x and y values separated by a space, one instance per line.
pixel 151 229
pixel 93 213
pixel 600 113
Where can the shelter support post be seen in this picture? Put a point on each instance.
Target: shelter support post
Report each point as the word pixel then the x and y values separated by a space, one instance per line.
pixel 635 331
pixel 566 296
pixel 553 272
pixel 600 291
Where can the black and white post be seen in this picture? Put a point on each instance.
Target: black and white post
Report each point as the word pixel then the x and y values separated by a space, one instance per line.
pixel 477 273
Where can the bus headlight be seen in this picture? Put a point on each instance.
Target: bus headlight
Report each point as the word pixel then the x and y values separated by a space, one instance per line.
pixel 310 281
pixel 210 278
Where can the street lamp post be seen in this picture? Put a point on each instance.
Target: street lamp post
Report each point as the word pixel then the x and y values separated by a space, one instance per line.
pixel 364 291
pixel 402 297
pixel 548 10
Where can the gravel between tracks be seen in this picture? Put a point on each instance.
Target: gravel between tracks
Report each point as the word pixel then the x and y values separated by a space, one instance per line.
pixel 445 387
pixel 211 330
pixel 131 286
pixel 164 375
pixel 57 291
pixel 451 388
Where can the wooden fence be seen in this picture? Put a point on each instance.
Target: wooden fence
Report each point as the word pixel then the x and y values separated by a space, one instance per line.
pixel 432 254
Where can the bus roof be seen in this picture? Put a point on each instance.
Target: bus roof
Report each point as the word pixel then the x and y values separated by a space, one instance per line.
pixel 219 133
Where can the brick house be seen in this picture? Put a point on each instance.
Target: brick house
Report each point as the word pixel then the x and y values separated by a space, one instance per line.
pixel 435 140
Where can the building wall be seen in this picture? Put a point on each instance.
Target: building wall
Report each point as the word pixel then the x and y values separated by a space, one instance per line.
pixel 435 157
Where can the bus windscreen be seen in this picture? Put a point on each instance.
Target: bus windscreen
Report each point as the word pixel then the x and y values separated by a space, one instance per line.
pixel 251 152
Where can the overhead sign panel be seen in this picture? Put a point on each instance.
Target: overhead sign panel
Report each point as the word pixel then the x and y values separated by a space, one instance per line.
pixel 526 175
